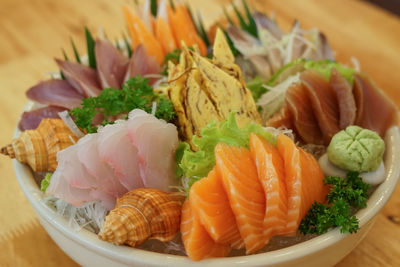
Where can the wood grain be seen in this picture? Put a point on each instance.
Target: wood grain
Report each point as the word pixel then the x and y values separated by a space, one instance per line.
pixel 33 32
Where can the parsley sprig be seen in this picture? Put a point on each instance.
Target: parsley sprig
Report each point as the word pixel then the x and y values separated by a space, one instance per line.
pixel 345 194
pixel 114 104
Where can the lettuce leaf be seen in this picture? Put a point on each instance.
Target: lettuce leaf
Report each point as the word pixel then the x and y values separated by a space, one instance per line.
pixel 196 165
pixel 45 182
pixel 324 67
pixel 256 87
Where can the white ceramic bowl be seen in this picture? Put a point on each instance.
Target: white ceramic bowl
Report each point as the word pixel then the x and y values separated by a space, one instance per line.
pixel 325 250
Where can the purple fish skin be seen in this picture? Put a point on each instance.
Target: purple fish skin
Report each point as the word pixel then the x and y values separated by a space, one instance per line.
pixel 111 64
pixel 84 79
pixel 56 93
pixel 31 119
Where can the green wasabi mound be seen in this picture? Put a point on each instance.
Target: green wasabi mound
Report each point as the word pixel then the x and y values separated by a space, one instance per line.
pixel 356 149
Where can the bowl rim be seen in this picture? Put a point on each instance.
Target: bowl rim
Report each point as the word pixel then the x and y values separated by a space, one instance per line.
pixel 130 255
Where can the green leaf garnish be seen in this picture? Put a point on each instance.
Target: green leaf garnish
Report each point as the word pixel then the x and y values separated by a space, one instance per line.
pixel 196 165
pixel 256 87
pixel 128 46
pixel 77 57
pixel 115 103
pixel 45 182
pixel 153 7
pixel 90 43
pixel 344 194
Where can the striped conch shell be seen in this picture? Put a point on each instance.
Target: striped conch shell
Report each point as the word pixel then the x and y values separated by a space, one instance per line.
pixel 141 214
pixel 39 147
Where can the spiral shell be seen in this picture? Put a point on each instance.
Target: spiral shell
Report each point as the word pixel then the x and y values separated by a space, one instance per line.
pixel 38 148
pixel 142 214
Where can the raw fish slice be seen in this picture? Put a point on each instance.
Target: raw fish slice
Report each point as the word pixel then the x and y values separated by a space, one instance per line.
pixel 282 118
pixel 263 22
pixel 304 121
pixel 262 66
pixel 296 44
pixel 70 181
pixel 31 119
pixel 375 110
pixel 117 151
pixel 60 188
pixel 73 170
pixel 245 193
pixel 88 155
pixel 111 64
pixel 304 181
pixel 198 244
pixel 143 64
pixel 323 101
pixel 209 201
pixel 55 92
pixel 244 42
pixel 294 182
pixel 156 142
pixel 82 78
pixel 345 99
pixel 271 174
pixel 324 49
pixel 312 170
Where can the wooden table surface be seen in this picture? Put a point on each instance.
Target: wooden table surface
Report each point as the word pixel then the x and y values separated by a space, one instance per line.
pixel 33 32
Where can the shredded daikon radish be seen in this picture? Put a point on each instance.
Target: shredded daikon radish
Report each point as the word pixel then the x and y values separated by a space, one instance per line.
pixel 64 115
pixel 90 215
pixel 271 101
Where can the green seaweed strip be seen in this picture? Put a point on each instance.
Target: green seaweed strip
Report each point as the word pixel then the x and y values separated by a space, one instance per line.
pixel 128 46
pixel 153 7
pixel 77 57
pixel 90 48
pixel 117 45
pixel 252 23
pixel 243 23
pixel 64 54
pixel 171 3
pixel 227 17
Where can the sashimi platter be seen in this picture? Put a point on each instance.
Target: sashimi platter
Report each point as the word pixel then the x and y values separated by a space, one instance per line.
pixel 203 142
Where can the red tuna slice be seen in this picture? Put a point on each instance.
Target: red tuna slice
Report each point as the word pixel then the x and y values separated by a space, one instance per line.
pixel 111 64
pixel 31 119
pixel 375 111
pixel 282 118
pixel 304 120
pixel 82 78
pixel 345 98
pixel 55 92
pixel 143 64
pixel 323 101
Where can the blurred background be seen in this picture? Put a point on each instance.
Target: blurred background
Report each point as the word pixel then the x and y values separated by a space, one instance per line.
pixel 33 32
pixel 390 5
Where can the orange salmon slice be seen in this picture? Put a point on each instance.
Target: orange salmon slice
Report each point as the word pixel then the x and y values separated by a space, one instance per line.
pixel 304 181
pixel 244 191
pixel 209 201
pixel 271 174
pixel 198 243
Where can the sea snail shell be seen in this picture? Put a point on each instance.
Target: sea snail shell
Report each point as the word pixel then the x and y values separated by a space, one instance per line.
pixel 39 147
pixel 142 214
